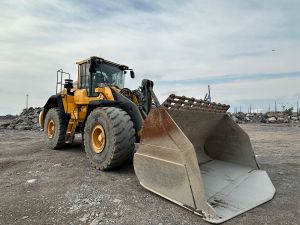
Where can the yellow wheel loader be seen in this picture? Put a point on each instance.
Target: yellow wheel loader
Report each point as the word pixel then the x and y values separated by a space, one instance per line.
pixel 188 150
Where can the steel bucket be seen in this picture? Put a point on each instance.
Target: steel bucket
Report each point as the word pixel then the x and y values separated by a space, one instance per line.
pixel 195 155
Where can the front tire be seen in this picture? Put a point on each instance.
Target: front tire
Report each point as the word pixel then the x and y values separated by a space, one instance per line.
pixel 55 128
pixel 109 137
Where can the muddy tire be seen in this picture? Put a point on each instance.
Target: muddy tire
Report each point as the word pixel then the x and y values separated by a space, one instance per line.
pixel 109 137
pixel 55 128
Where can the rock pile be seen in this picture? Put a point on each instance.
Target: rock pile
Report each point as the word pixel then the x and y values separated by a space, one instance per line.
pixel 278 117
pixel 27 120
pixel 8 117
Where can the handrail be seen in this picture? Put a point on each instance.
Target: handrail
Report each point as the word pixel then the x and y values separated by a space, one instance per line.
pixel 61 72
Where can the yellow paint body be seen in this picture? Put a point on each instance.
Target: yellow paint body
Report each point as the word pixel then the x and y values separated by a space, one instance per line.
pixel 76 100
pixel 76 106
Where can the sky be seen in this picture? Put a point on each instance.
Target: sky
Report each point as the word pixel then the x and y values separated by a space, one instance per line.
pixel 247 51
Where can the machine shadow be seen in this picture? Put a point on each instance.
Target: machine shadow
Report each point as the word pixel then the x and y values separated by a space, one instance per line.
pixel 77 148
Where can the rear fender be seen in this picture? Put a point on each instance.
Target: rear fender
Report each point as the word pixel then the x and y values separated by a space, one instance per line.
pixel 53 102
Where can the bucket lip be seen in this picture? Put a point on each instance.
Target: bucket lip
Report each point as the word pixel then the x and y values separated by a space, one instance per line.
pixel 208 217
pixel 221 220
pixel 269 197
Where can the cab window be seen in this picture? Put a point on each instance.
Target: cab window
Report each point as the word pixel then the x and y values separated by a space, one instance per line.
pixel 84 75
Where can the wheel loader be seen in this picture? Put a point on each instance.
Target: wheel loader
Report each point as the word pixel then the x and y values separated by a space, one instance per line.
pixel 186 150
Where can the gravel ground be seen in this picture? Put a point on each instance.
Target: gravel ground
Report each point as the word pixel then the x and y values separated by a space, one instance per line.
pixel 42 186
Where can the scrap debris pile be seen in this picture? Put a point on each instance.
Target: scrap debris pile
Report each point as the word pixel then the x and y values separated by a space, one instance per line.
pixel 278 117
pixel 27 120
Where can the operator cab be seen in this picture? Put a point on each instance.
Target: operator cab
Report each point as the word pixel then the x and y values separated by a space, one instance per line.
pixel 98 72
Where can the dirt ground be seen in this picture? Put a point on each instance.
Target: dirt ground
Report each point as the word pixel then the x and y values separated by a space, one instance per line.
pixel 42 186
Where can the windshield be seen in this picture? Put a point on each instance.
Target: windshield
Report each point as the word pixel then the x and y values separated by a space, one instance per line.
pixel 107 74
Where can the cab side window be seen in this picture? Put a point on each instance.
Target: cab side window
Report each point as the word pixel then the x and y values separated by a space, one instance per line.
pixel 87 75
pixel 84 75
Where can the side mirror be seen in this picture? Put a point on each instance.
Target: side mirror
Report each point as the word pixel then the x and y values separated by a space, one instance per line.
pixel 93 66
pixel 131 74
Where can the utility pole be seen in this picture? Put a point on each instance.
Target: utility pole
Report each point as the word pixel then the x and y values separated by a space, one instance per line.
pixel 275 106
pixel 27 101
pixel 207 95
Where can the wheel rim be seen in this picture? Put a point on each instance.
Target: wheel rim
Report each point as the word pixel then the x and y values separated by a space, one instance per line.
pixel 51 129
pixel 98 139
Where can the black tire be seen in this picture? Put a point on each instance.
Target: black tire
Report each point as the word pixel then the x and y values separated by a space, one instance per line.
pixel 57 141
pixel 119 137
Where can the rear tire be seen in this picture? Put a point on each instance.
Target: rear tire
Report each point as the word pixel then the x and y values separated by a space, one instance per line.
pixel 55 128
pixel 119 137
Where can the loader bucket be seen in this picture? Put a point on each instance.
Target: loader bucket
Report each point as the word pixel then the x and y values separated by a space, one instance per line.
pixel 192 153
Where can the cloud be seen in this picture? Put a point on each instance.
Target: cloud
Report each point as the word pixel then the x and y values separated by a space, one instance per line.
pixel 195 42
pixel 230 78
